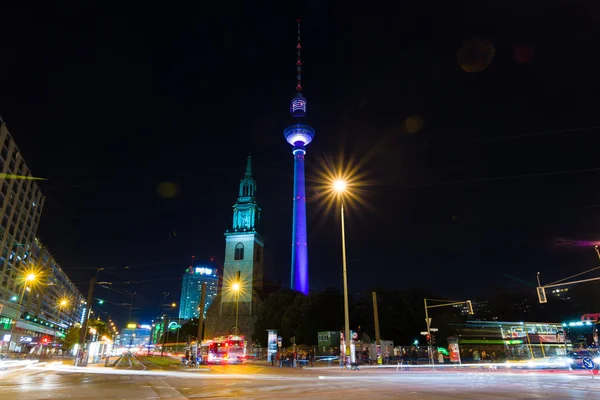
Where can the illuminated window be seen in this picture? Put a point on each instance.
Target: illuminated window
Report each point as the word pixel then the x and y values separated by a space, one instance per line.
pixel 239 252
pixel 298 104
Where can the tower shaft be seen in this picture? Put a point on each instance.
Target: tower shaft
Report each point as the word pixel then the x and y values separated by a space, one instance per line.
pixel 299 244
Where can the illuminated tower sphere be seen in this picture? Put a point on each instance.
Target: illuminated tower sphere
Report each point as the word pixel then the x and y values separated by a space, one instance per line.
pixel 299 135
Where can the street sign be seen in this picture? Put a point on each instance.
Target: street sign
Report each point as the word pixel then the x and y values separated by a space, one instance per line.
pixel 588 363
pixel 424 333
pixel 434 329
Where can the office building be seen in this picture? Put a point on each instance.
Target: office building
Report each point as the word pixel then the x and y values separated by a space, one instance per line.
pixel 191 290
pixel 49 304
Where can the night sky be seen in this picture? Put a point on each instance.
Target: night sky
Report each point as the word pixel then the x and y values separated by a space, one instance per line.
pixel 500 180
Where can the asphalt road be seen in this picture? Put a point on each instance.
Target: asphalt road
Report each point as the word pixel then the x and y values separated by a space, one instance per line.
pixel 265 382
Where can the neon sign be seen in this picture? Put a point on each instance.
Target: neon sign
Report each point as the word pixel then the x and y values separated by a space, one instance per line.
pixel 204 271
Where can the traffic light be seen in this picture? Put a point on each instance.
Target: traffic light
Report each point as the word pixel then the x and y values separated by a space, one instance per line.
pixel 470 307
pixel 100 301
pixel 428 338
pixel 541 292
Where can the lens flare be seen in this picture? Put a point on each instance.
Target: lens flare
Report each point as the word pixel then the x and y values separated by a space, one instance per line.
pixel 340 180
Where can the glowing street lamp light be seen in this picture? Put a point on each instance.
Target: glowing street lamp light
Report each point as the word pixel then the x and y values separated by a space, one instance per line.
pixel 31 277
pixel 340 186
pixel 236 287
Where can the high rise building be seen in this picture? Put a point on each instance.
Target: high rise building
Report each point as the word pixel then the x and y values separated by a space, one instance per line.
pixel 191 290
pixel 51 303
pixel 237 303
pixel 299 135
pixel 22 203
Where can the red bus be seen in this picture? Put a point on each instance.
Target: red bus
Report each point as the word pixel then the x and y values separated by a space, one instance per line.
pixel 226 350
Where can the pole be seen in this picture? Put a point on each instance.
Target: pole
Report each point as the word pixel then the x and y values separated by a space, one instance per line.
pixel 162 349
pixel 376 314
pixel 150 338
pixel 131 305
pixel 237 293
pixel 177 339
pixel 201 318
pixel 83 331
pixel 428 332
pixel 346 313
pixel 14 326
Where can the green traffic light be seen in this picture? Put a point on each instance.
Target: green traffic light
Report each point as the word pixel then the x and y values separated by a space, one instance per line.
pixel 100 301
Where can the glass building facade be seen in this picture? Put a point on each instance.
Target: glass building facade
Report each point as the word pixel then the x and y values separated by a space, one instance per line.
pixel 191 290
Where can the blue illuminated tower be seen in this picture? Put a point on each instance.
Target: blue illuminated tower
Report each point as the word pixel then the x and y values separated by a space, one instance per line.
pixel 299 135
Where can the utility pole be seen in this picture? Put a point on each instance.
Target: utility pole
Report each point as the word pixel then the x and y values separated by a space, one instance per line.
pixel 162 349
pixel 130 304
pixel 201 318
pixel 376 314
pixel 83 331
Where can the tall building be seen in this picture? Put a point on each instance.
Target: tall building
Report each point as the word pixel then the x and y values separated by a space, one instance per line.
pixel 22 203
pixel 299 135
pixel 243 266
pixel 134 335
pixel 191 290
pixel 51 303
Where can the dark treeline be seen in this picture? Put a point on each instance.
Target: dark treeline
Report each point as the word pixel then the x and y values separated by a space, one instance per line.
pixel 402 314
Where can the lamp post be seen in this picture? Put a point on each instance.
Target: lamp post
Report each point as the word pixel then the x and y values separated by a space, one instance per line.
pixel 28 278
pixel 236 292
pixel 340 187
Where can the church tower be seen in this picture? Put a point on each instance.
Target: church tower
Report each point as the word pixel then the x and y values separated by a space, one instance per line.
pixel 244 249
pixel 235 309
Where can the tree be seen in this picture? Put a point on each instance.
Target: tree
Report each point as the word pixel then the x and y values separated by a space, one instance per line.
pixel 100 326
pixel 71 338
pixel 271 313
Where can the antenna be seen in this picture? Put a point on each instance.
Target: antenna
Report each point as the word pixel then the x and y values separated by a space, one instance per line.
pixel 298 63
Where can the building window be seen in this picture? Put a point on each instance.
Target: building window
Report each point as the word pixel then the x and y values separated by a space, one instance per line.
pixel 239 252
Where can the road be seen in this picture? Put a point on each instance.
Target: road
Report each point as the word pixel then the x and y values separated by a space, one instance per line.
pixel 265 382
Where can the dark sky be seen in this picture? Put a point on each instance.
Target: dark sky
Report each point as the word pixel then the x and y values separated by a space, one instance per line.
pixel 107 101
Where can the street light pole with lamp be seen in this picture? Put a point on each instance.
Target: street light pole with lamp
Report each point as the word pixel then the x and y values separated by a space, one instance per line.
pixel 340 187
pixel 235 286
pixel 29 278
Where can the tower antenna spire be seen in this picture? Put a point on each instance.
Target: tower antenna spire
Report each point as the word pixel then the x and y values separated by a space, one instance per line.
pixel 298 62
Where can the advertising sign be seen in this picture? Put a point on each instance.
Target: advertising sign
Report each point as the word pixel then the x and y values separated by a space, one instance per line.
pixel 454 353
pixel 279 340
pixel 272 343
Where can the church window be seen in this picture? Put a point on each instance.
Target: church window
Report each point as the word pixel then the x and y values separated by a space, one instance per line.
pixel 257 253
pixel 239 252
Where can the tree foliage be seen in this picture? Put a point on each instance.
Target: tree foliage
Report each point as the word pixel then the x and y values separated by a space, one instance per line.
pixel 71 338
pixel 271 313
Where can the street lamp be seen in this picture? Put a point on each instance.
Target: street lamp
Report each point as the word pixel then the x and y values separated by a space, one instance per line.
pixel 235 286
pixel 29 278
pixel 340 186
